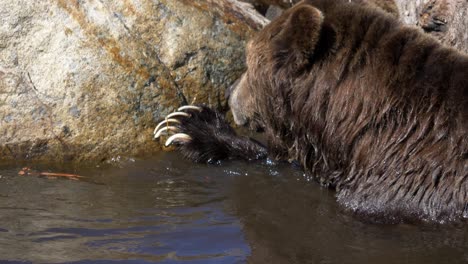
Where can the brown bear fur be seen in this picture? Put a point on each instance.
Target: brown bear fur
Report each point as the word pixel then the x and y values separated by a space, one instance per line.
pixel 373 108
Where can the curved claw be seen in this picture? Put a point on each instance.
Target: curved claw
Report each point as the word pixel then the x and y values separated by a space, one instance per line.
pixel 189 107
pixel 170 128
pixel 177 114
pixel 165 122
pixel 181 137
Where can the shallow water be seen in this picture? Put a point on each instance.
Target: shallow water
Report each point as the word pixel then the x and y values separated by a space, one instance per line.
pixel 168 210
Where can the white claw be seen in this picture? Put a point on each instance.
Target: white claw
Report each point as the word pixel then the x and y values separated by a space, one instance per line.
pixel 177 114
pixel 165 122
pixel 178 137
pixel 191 107
pixel 170 128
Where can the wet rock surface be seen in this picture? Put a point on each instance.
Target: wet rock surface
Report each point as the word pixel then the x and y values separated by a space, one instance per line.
pixel 87 80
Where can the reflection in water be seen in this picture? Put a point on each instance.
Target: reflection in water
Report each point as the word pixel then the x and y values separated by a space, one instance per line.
pixel 158 210
pixel 167 210
pixel 289 220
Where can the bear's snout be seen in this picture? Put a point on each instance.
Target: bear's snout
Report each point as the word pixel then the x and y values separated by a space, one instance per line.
pixel 231 88
pixel 240 101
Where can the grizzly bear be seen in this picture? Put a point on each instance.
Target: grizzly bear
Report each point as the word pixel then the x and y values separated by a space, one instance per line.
pixel 368 106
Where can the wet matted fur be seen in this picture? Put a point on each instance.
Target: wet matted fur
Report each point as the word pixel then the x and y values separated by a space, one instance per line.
pixel 371 107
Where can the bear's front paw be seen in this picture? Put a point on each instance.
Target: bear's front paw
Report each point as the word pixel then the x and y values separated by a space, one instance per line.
pixel 200 133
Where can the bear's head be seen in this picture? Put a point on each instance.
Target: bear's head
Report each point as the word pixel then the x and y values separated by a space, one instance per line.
pixel 275 58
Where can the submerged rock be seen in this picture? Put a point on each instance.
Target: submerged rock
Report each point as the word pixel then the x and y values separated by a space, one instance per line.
pixel 87 80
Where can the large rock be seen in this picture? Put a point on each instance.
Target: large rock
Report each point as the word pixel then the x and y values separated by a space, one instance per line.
pixel 87 80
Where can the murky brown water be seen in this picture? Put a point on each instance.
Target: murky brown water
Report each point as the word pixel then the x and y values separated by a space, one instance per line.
pixel 168 210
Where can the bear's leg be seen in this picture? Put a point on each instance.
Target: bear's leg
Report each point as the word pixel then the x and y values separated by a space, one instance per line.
pixel 203 135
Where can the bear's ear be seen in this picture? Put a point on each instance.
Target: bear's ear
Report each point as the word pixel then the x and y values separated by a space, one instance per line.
pixel 299 36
